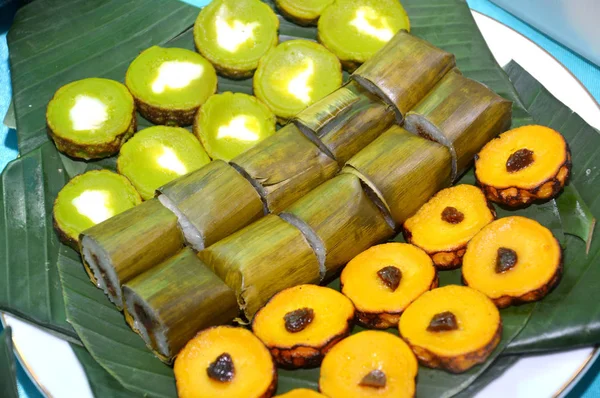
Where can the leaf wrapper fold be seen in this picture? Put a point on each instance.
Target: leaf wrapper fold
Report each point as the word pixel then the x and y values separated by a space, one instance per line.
pixel 262 259
pixel 346 121
pixel 404 71
pixel 129 244
pixel 343 217
pixel 404 170
pixel 286 166
pixel 461 114
pixel 212 203
pixel 575 215
pixel 173 301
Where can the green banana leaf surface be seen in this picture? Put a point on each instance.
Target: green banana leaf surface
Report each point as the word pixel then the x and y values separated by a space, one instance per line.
pixel 30 287
pixel 8 372
pixel 45 56
pixel 577 218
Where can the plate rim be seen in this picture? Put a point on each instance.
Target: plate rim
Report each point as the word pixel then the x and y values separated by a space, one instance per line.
pixel 24 363
pixel 581 372
pixel 587 91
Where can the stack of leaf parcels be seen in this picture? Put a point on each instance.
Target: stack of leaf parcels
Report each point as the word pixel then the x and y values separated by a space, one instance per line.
pixel 341 177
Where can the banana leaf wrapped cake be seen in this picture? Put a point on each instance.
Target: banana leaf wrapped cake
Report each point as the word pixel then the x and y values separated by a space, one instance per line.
pixel 404 71
pixel 128 244
pixel 212 203
pixel 346 121
pixel 285 167
pixel 261 260
pixel 404 170
pixel 170 303
pixel 461 114
pixel 342 219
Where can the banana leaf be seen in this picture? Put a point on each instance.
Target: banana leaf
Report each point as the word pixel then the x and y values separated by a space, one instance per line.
pixel 105 334
pixel 569 316
pixel 576 217
pixel 431 382
pixel 8 372
pixel 30 287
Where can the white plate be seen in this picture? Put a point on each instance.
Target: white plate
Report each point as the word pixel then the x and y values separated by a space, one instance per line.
pixel 535 376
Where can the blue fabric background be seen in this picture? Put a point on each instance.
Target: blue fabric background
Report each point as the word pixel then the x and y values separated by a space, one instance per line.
pixel 585 71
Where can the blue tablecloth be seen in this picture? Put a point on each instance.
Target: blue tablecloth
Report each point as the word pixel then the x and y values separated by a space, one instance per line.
pixel 585 71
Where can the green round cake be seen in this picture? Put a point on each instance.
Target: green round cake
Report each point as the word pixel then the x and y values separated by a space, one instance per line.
pixel 235 34
pixel 229 124
pixel 294 75
pixel 88 199
pixel 91 118
pixel 170 84
pixel 158 155
pixel 303 12
pixel 354 30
